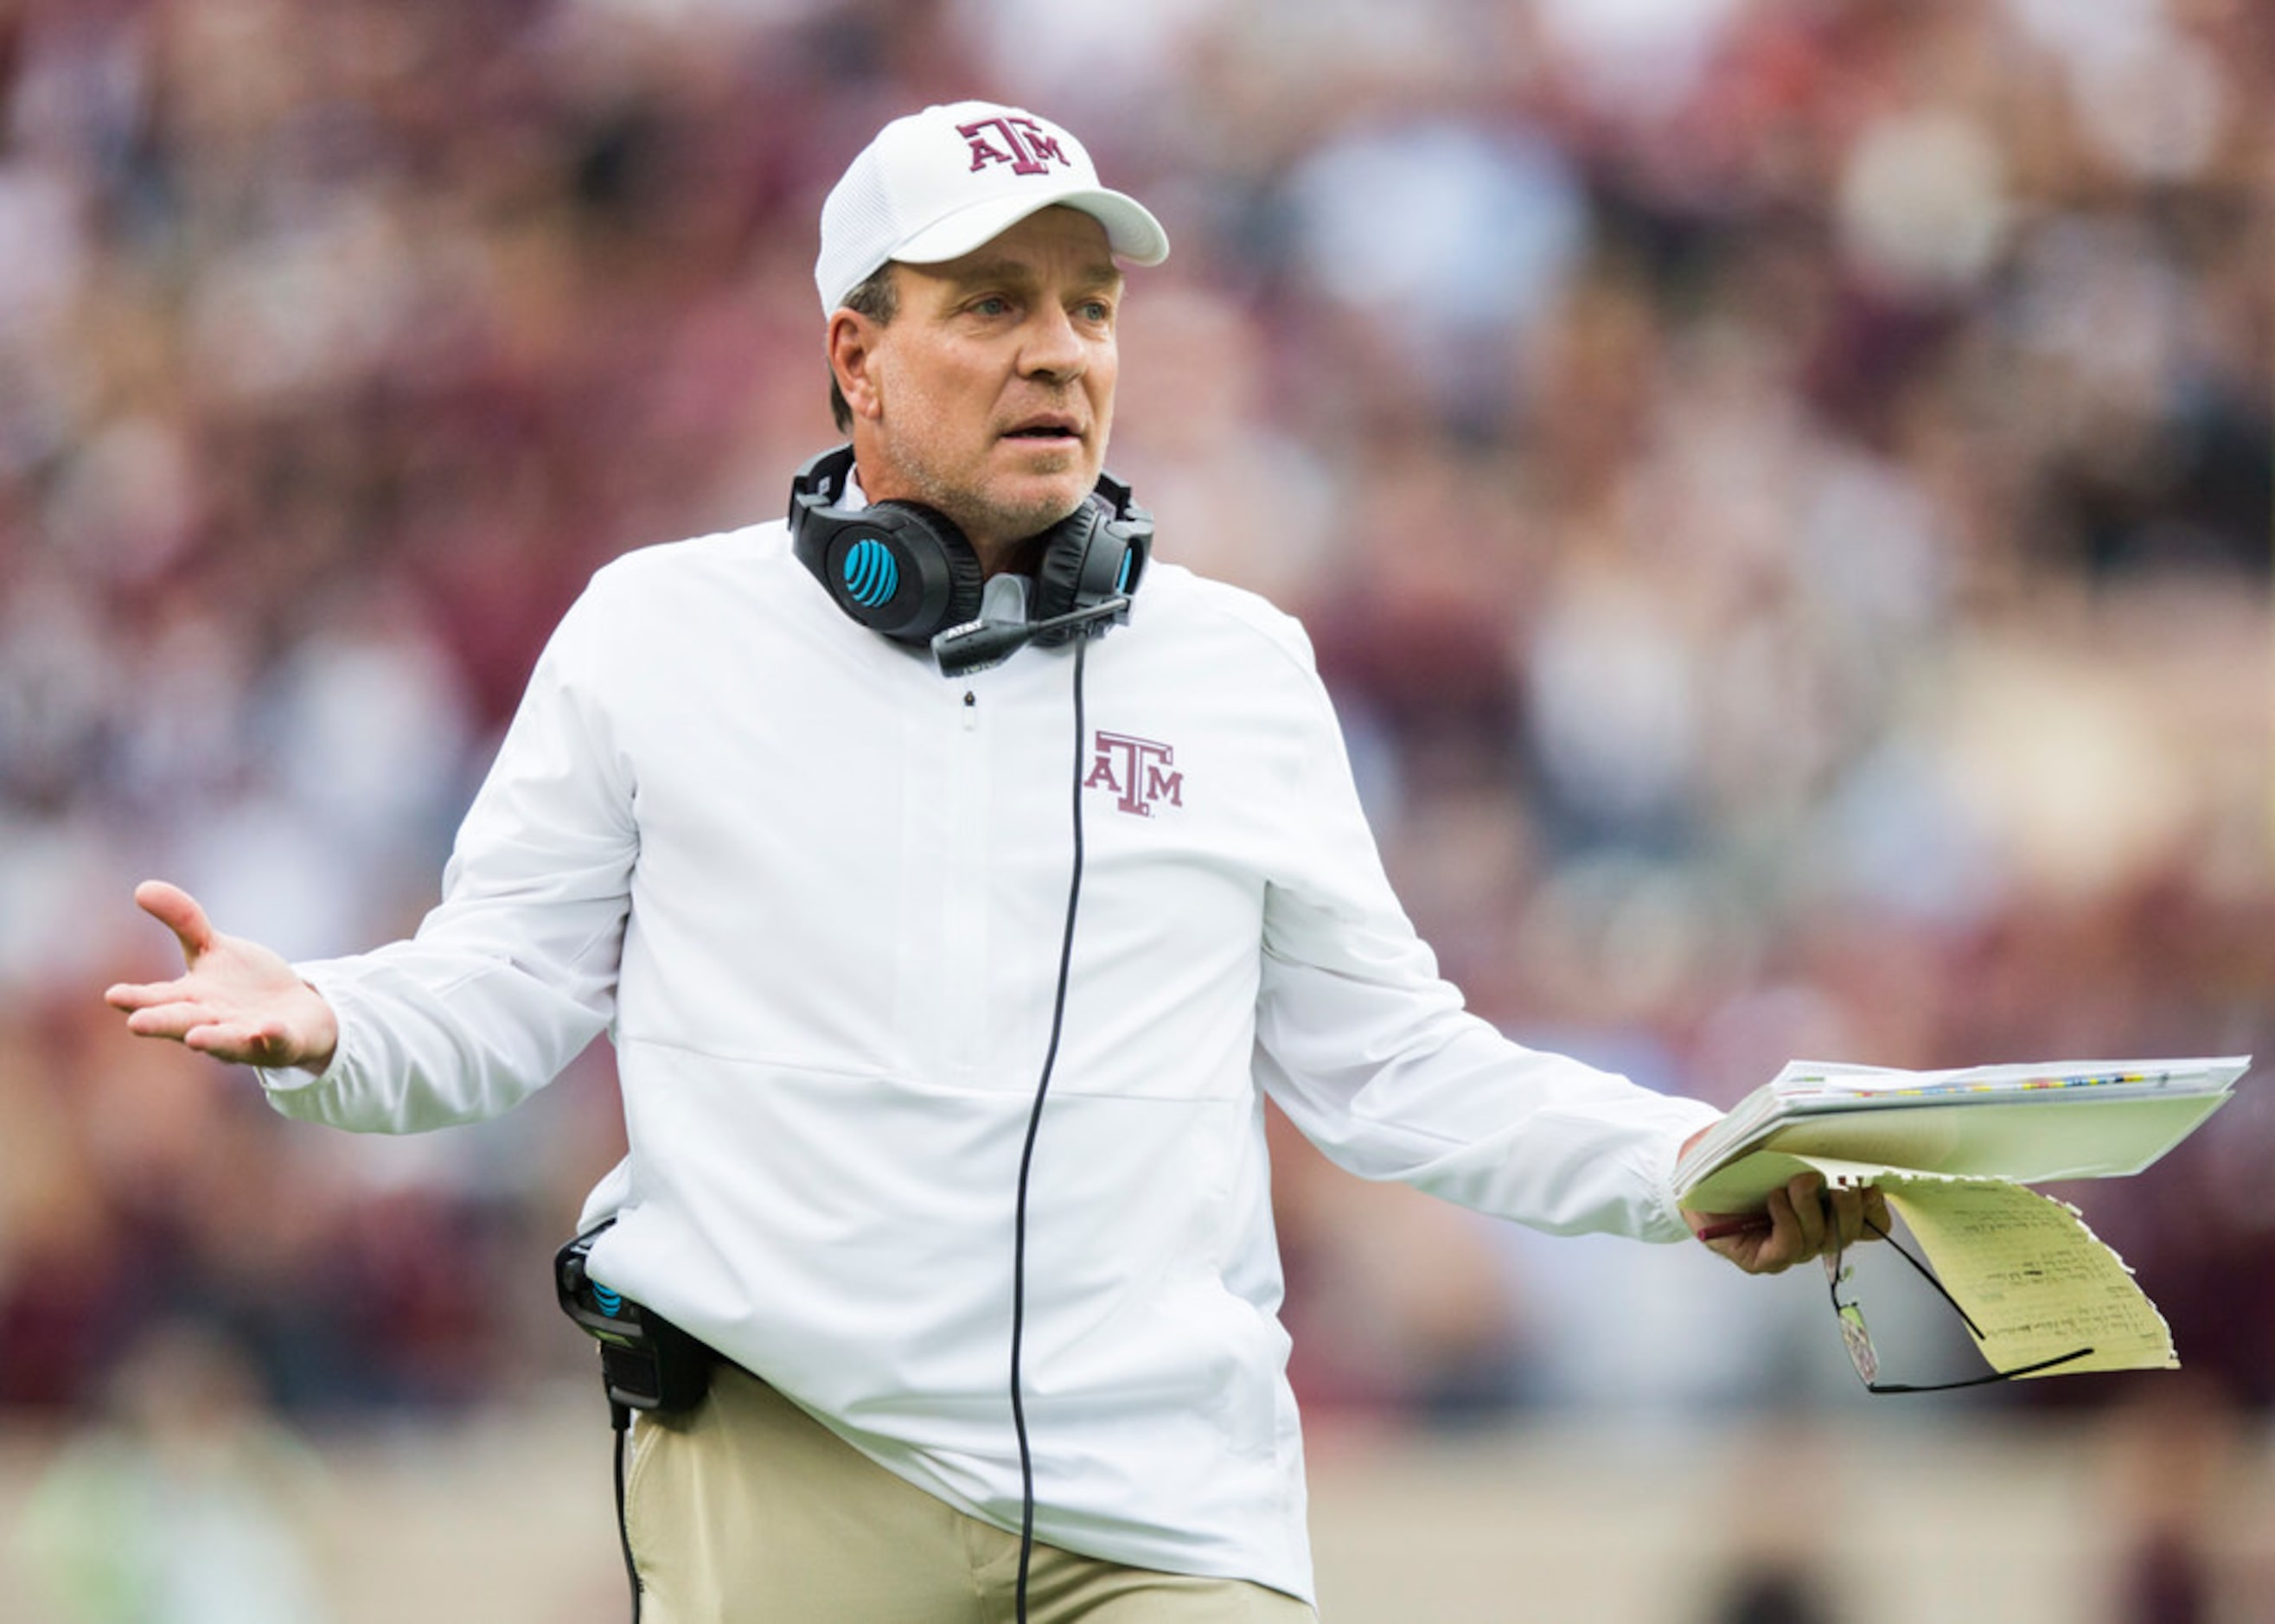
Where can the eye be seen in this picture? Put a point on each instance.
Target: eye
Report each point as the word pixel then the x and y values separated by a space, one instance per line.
pixel 1096 310
pixel 991 305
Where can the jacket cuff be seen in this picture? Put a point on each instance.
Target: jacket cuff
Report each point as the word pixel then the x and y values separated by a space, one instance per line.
pixel 1670 1225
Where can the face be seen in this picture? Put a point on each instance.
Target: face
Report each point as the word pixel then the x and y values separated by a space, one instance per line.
pixel 990 394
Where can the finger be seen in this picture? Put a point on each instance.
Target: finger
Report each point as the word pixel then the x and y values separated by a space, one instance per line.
pixel 248 1045
pixel 1847 1214
pixel 1775 1252
pixel 179 912
pixel 175 1021
pixel 1877 1222
pixel 1806 1194
pixel 131 995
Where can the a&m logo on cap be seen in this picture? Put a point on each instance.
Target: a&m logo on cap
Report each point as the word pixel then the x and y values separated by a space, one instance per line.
pixel 1028 145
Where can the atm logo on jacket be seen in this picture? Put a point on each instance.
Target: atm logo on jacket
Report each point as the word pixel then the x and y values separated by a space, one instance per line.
pixel 1137 772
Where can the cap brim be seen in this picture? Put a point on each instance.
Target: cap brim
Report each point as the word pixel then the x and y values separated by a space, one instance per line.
pixel 1132 232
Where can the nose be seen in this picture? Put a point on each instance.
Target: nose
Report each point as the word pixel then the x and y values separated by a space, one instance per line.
pixel 1053 350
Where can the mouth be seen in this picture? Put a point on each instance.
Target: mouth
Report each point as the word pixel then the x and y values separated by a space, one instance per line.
pixel 1047 429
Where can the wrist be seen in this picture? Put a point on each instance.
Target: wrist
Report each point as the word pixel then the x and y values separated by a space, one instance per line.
pixel 320 1045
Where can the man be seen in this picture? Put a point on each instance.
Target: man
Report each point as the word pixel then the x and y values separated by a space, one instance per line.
pixel 945 1009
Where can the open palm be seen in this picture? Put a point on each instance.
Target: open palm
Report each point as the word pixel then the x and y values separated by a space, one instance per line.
pixel 237 1001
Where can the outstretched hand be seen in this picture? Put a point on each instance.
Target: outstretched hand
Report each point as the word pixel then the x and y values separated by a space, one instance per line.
pixel 1805 1218
pixel 237 1001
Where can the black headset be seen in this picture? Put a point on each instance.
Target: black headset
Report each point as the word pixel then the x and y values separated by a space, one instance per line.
pixel 904 570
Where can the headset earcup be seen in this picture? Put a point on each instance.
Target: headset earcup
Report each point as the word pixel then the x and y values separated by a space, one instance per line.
pixel 1059 567
pixel 1086 558
pixel 900 570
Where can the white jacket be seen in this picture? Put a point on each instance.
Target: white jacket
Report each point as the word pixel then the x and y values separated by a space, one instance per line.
pixel 815 894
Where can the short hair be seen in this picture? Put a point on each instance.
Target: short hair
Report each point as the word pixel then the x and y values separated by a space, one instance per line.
pixel 877 296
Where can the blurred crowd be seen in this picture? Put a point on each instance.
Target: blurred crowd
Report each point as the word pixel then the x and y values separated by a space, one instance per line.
pixel 1780 490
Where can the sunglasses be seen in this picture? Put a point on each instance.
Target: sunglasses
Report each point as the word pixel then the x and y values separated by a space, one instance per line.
pixel 1859 1340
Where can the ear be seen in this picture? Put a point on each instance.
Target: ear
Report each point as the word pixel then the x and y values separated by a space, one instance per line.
pixel 853 339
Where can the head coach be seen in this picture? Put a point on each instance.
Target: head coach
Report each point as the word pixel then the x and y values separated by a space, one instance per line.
pixel 956 883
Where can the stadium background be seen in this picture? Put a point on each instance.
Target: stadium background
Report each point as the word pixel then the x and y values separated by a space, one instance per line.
pixel 1780 489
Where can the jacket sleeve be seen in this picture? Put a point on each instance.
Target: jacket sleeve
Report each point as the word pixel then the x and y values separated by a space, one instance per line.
pixel 1374 1057
pixel 515 970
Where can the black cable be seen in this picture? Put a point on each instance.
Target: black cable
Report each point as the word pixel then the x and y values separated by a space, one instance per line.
pixel 620 1417
pixel 1027 1156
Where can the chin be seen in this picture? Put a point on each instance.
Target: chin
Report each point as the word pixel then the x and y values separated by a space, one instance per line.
pixel 1047 459
pixel 1042 501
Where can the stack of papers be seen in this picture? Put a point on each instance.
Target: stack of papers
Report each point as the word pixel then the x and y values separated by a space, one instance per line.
pixel 2068 1120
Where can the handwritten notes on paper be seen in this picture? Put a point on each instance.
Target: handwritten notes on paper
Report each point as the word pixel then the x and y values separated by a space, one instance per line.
pixel 2036 1281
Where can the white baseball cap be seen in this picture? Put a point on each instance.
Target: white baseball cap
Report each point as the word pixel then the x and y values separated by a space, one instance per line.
pixel 935 185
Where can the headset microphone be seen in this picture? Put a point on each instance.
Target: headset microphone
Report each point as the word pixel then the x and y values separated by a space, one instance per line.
pixel 974 646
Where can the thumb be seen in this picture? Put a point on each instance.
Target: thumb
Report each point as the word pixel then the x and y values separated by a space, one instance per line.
pixel 178 911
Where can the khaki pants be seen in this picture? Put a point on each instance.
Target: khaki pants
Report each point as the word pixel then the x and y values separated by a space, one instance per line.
pixel 748 1511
